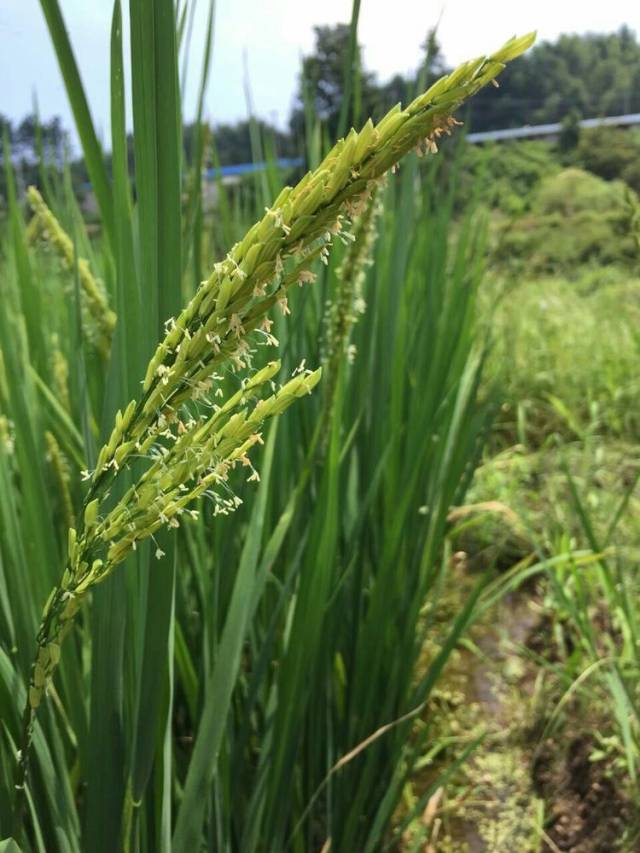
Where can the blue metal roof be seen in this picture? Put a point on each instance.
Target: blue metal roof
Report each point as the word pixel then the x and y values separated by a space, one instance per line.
pixel 248 168
pixel 240 169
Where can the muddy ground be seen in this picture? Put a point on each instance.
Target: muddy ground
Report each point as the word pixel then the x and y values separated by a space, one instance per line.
pixel 540 781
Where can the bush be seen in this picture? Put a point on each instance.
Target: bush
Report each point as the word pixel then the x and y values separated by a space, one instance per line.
pixel 574 218
pixel 507 173
pixel 611 153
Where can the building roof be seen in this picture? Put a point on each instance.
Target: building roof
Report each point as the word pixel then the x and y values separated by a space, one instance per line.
pixel 551 129
pixel 248 168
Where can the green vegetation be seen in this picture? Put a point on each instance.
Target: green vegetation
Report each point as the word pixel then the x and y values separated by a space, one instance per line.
pixel 576 77
pixel 229 684
pixel 555 384
pixel 590 75
pixel 574 219
pixel 610 153
pixel 396 613
pixel 554 507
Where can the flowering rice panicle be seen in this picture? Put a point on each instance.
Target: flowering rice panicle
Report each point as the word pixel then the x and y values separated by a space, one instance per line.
pixel 188 443
pixel 99 321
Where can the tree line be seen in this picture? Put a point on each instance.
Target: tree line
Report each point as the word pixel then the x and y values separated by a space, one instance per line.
pixel 581 76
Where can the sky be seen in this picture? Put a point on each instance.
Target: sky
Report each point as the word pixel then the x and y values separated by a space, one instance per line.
pixel 262 41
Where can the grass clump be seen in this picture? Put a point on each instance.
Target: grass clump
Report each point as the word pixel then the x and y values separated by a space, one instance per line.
pixel 565 351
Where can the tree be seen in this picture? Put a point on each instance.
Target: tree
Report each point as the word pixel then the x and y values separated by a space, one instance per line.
pixel 24 145
pixel 233 142
pixel 595 74
pixel 400 89
pixel 569 132
pixel 322 81
pixel 611 153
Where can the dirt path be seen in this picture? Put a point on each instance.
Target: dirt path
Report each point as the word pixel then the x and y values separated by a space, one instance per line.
pixel 519 794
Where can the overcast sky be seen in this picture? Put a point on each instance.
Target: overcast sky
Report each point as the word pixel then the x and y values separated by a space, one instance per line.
pixel 274 34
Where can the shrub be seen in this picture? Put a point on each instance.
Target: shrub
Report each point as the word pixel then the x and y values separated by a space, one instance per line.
pixel 611 153
pixel 575 218
pixel 506 174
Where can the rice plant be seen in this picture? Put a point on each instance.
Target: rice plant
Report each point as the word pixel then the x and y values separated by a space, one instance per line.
pixel 228 684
